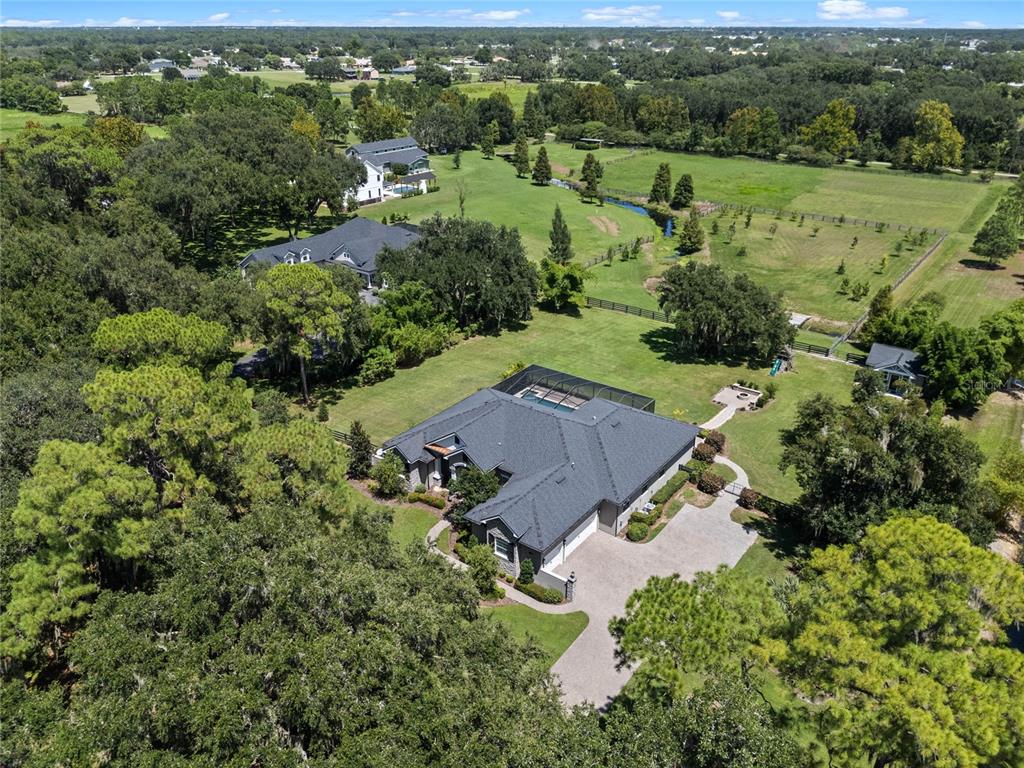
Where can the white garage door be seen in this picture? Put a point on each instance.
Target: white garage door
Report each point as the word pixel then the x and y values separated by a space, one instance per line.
pixel 578 536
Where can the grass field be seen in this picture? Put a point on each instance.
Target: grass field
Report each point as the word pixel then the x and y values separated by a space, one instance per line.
pixel 997 424
pixel 515 90
pixel 410 524
pixel 803 264
pixel 13 120
pixel 888 196
pixel 86 103
pixel 493 193
pixel 553 633
pixel 753 437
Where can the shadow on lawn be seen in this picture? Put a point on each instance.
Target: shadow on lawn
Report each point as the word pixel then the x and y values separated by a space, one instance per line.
pixel 988 266
pixel 662 341
pixel 780 537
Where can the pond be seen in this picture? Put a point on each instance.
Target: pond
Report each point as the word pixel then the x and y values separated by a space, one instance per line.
pixel 667 229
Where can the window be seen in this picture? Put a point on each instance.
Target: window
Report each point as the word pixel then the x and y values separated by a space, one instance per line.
pixel 502 547
pixel 305 257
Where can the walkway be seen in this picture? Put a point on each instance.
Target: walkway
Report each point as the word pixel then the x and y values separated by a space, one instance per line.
pixel 741 474
pixel 609 569
pixel 719 418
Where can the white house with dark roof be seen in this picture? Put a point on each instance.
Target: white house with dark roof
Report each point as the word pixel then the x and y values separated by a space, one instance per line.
pixel 354 245
pixel 382 159
pixel 574 457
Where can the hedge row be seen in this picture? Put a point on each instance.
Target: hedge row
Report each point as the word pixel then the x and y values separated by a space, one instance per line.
pixel 669 489
pixel 537 592
pixel 431 499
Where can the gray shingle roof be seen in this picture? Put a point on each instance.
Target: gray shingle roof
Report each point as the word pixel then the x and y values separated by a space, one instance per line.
pixel 380 153
pixel 355 244
pixel 386 145
pixel 563 464
pixel 887 357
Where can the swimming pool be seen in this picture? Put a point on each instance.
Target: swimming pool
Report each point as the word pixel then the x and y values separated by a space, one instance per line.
pixel 404 189
pixel 533 397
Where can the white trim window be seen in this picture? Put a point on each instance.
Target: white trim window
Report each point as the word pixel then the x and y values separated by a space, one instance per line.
pixel 502 547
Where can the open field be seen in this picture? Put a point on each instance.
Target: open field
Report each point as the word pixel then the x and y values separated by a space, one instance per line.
pixel 753 437
pixel 493 193
pixel 803 264
pixel 924 201
pixel 997 424
pixel 552 633
pixel 86 103
pixel 514 89
pixel 13 120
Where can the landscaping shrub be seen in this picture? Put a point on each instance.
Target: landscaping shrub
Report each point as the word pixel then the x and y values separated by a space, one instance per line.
pixel 749 498
pixel 716 440
pixel 704 452
pixel 697 468
pixel 544 594
pixel 526 572
pixel 483 568
pixel 645 518
pixel 430 499
pixel 379 364
pixel 637 531
pixel 710 482
pixel 387 475
pixel 668 490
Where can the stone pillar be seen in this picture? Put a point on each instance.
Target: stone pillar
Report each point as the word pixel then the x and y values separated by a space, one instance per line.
pixel 570 586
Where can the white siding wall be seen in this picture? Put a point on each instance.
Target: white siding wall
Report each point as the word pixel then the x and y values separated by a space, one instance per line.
pixel 572 540
pixel 652 489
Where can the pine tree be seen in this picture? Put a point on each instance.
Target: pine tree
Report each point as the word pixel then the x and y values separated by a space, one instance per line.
pixel 533 118
pixel 360 451
pixel 662 184
pixel 683 194
pixel 490 136
pixel 560 249
pixel 542 167
pixel 521 156
pixel 590 175
pixel 691 236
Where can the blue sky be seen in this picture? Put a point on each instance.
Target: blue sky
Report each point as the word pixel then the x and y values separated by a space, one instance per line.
pixel 377 13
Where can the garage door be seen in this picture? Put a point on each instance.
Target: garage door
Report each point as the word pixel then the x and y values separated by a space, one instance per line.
pixel 578 536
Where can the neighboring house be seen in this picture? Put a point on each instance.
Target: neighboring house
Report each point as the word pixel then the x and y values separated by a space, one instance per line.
pixel 380 158
pixel 574 457
pixel 158 65
pixel 897 365
pixel 355 245
pixel 408 69
pixel 192 74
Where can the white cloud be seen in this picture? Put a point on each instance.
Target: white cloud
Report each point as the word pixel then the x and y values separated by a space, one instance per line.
pixel 630 14
pixel 215 17
pixel 973 24
pixel 728 15
pixel 842 10
pixel 501 15
pixel 30 23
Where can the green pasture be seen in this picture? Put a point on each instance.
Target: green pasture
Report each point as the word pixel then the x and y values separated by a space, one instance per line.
pixel 494 193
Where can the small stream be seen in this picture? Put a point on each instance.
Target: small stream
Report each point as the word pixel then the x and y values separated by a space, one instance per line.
pixel 666 222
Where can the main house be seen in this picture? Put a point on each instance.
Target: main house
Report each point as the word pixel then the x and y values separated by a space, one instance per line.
pixel 393 167
pixel 574 457
pixel 355 245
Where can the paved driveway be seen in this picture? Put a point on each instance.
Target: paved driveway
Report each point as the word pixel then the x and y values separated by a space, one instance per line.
pixel 609 569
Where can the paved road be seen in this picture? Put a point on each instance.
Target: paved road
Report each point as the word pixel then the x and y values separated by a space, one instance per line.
pixel 609 569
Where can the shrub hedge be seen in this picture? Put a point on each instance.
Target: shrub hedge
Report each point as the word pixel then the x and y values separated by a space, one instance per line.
pixel 668 490
pixel 749 498
pixel 645 518
pixel 537 592
pixel 704 452
pixel 716 440
pixel 431 499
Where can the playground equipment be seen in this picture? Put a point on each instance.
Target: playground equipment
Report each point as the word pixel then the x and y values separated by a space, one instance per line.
pixel 776 366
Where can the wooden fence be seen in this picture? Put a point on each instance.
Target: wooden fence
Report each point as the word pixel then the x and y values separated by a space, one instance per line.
pixel 346 438
pixel 627 309
pixel 814 349
pixel 617 250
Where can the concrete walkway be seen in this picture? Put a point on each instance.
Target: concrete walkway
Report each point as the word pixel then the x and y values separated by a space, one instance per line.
pixel 608 570
pixel 741 474
pixel 719 418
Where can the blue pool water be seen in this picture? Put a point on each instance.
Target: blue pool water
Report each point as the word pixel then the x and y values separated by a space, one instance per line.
pixel 404 188
pixel 535 398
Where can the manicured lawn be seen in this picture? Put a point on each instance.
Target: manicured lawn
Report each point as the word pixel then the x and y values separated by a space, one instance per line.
pixel 754 436
pixel 996 424
pixel 13 120
pixel 609 347
pixel 86 103
pixel 803 265
pixel 493 193
pixel 553 633
pixel 759 560
pixel 515 90
pixel 410 524
pixel 726 472
pixel 624 280
pixel 874 194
